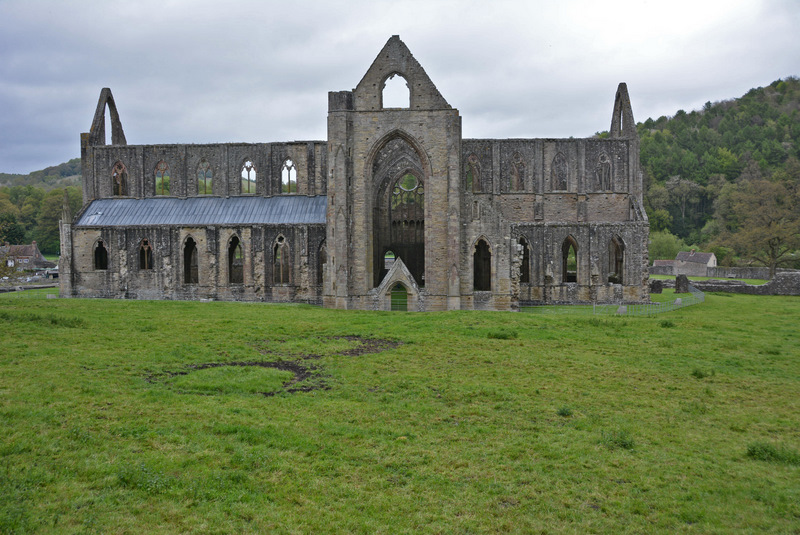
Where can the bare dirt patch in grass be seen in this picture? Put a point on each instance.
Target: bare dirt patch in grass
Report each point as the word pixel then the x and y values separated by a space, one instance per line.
pixel 306 377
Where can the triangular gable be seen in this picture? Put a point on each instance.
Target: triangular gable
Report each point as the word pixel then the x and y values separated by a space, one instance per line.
pixel 398 273
pixel 97 133
pixel 396 58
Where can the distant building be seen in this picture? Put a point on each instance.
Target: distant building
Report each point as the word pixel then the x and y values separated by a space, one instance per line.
pixel 694 264
pixel 24 257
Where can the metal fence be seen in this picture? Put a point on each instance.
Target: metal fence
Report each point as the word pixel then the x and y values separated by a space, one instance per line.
pixel 694 297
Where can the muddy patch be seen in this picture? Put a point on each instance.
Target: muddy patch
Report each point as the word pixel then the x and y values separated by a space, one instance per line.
pixel 306 377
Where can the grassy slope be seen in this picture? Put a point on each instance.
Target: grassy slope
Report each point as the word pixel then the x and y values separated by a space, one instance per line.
pixel 578 424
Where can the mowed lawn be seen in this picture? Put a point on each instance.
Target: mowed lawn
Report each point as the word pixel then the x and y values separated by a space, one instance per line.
pixel 129 417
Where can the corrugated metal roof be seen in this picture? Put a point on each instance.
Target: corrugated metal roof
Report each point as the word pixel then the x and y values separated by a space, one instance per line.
pixel 200 211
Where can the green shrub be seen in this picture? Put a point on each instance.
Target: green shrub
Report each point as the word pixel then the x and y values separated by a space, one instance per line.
pixel 764 451
pixel 564 411
pixel 618 438
pixel 502 335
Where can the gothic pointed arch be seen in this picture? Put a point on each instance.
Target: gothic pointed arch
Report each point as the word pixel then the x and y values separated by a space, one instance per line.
pixel 322 259
pixel 100 255
pixel 398 169
pixel 235 261
pixel 525 261
pixel 145 255
pixel 119 179
pixel 516 178
pixel 395 92
pixel 288 176
pixel 482 265
pixel 248 175
pixel 559 173
pixel 569 259
pixel 603 172
pixel 205 178
pixel 281 261
pixel 616 260
pixel 97 132
pixel 162 178
pixel 472 174
pixel 190 264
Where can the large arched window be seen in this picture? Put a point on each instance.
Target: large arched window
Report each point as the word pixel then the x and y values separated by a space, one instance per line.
pixel 616 260
pixel 205 178
pixel 288 177
pixel 525 266
pixel 407 220
pixel 119 179
pixel 395 92
pixel 280 261
pixel 162 178
pixel 482 267
pixel 100 255
pixel 235 262
pixel 569 260
pixel 248 177
pixel 559 172
pixel 145 255
pixel 190 271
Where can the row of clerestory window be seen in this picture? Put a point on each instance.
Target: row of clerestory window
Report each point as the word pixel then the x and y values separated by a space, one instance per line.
pixel 281 260
pixel 205 178
pixel 600 177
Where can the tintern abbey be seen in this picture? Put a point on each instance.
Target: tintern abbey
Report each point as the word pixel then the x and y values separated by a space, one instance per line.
pixel 394 206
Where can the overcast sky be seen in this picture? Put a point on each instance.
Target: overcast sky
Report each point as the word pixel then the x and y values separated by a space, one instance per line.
pixel 186 71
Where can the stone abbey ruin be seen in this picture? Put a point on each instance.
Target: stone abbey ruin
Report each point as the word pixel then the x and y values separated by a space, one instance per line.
pixel 394 204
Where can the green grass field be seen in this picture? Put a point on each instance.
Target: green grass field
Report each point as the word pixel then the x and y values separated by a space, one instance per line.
pixel 188 417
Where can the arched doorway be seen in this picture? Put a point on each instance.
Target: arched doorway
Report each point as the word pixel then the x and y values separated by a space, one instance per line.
pixel 399 297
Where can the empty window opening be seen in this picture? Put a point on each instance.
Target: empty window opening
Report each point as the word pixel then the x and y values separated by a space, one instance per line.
pixel 108 138
pixel 119 179
pixel 388 260
pixel 616 263
pixel 235 262
pixel 190 272
pixel 280 263
pixel 569 252
pixel 322 259
pixel 100 256
pixel 525 266
pixel 288 177
pixel 248 177
pixel 205 178
pixel 482 267
pixel 399 298
pixel 396 93
pixel 145 255
pixel 162 178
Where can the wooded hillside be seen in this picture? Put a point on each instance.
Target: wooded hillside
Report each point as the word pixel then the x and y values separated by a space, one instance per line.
pixel 726 178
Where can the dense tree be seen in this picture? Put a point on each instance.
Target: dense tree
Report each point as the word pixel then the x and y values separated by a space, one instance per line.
pixel 767 229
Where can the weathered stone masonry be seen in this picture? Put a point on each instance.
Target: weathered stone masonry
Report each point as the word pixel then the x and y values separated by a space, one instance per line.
pixel 395 203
